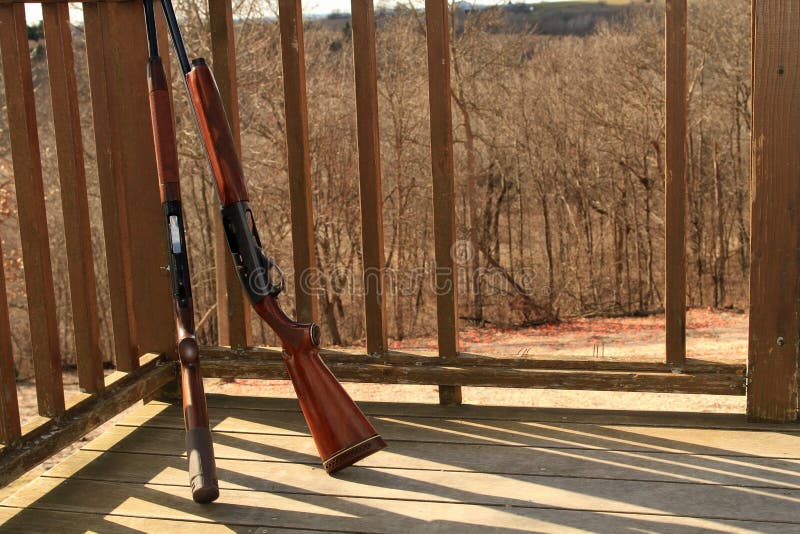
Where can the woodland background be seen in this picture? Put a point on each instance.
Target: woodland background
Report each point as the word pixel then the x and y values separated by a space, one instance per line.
pixel 559 146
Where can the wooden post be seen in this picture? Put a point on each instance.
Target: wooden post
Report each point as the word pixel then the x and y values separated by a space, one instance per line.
pixel 294 90
pixel 233 310
pixel 775 223
pixel 131 185
pixel 675 181
pixel 444 215
pixel 114 223
pixel 21 109
pixel 74 203
pixel 9 408
pixel 369 169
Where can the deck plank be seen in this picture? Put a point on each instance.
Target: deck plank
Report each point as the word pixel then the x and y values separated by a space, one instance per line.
pixel 296 509
pixel 549 521
pixel 452 474
pixel 36 520
pixel 719 442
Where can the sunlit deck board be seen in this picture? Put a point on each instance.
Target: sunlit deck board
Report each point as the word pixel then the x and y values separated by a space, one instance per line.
pixel 455 469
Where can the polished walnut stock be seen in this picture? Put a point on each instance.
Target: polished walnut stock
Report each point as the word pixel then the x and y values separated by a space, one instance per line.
pixel 200 451
pixel 342 433
pixel 216 132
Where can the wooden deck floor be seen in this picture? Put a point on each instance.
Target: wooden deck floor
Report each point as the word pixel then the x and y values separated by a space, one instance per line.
pixel 466 469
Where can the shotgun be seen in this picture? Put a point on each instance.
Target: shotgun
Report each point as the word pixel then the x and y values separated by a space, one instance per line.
pixel 341 432
pixel 199 447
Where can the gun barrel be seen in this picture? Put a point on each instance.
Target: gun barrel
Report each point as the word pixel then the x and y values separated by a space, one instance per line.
pixel 175 34
pixel 150 25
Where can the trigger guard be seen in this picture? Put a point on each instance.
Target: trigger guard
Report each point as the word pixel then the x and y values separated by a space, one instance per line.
pixel 270 265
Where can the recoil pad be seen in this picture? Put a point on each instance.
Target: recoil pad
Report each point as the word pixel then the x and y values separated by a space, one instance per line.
pixel 202 467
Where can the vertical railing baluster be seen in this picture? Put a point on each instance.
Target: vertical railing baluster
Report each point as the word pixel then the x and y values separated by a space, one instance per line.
pixel 21 108
pixel 675 181
pixel 74 203
pixel 112 199
pixel 9 407
pixel 369 168
pixel 444 217
pixel 294 89
pixel 233 312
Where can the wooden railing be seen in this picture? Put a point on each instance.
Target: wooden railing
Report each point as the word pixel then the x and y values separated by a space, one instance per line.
pixel 140 309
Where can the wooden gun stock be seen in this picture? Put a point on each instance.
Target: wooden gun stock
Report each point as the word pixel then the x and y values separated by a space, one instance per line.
pixel 342 433
pixel 199 447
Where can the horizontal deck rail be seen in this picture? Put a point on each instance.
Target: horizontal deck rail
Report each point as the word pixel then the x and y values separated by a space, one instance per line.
pixel 482 371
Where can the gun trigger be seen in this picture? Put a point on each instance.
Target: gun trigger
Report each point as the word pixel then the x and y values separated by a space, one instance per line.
pixel 270 266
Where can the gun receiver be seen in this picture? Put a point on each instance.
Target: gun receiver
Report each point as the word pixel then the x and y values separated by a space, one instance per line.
pixel 199 446
pixel 341 432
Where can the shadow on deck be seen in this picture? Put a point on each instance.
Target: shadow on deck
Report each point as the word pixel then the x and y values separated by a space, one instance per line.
pixel 464 469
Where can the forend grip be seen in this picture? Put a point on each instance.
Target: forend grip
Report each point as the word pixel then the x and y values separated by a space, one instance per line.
pixel 216 133
pixel 163 131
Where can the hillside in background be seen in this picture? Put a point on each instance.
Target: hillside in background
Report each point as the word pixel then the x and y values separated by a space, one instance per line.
pixel 548 18
pixel 562 18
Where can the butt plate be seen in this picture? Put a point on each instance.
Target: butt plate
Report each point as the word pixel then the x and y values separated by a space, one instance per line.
pixel 202 467
pixel 353 453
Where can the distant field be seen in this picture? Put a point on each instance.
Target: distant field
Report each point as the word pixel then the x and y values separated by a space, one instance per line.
pixel 711 335
pixel 579 17
pixel 544 6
